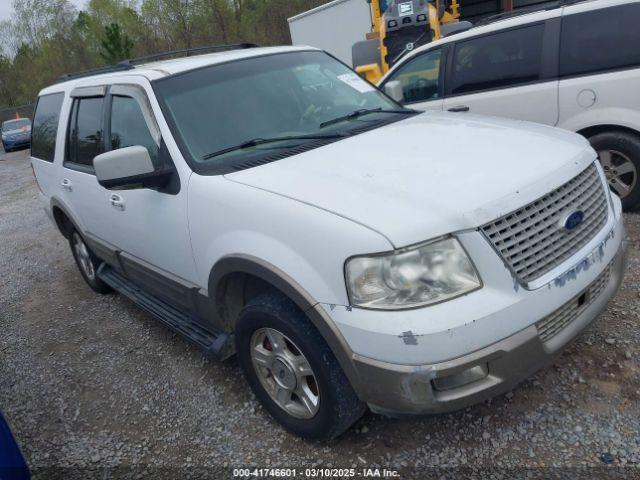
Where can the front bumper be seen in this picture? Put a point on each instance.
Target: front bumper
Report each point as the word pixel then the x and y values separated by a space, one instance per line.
pixel 458 353
pixel 409 389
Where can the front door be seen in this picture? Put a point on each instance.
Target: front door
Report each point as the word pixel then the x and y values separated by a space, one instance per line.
pixel 420 78
pixel 149 226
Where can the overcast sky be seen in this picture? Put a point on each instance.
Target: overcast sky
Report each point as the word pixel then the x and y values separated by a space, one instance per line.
pixel 6 7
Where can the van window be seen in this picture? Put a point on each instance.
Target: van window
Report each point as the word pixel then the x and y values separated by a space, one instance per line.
pixel 600 40
pixel 129 128
pixel 45 126
pixel 499 60
pixel 420 77
pixel 85 131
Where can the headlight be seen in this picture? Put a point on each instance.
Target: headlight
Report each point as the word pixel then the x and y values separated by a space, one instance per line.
pixel 412 277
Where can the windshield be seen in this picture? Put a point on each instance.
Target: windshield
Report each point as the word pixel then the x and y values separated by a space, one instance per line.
pixel 15 124
pixel 217 113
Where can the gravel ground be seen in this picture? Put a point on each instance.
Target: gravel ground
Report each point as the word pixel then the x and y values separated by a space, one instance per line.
pixel 94 388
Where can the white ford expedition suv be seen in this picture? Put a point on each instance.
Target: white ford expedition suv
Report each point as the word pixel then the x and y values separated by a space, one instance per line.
pixel 268 202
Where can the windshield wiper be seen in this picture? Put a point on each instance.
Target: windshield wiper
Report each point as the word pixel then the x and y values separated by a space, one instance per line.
pixel 364 111
pixel 261 141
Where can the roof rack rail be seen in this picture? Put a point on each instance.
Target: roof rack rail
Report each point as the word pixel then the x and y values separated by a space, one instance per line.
pixel 521 11
pixel 94 71
pixel 130 64
pixel 186 52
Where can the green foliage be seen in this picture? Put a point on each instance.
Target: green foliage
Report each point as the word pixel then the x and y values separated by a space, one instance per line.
pixel 47 38
pixel 116 45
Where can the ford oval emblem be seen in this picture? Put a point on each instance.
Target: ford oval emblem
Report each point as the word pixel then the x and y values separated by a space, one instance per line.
pixel 573 219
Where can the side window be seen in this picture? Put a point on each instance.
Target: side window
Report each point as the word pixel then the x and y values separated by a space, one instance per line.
pixel 85 136
pixel 420 77
pixel 45 126
pixel 599 40
pixel 499 60
pixel 129 127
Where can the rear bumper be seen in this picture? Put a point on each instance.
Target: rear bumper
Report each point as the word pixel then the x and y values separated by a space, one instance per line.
pixel 412 389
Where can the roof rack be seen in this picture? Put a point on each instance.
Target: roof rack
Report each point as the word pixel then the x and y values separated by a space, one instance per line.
pixel 186 52
pixel 130 64
pixel 94 71
pixel 521 11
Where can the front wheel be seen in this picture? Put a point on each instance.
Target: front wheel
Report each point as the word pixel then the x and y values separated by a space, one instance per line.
pixel 619 154
pixel 292 371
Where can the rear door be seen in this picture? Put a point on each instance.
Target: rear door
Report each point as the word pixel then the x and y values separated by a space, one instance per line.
pixel 509 73
pixel 421 79
pixel 83 140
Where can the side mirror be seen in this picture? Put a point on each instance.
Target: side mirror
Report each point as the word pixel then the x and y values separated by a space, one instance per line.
pixel 129 167
pixel 394 90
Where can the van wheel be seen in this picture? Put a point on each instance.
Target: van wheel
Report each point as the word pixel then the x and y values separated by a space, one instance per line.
pixel 87 263
pixel 292 370
pixel 619 154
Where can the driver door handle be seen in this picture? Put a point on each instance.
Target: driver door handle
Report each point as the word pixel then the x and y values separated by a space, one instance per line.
pixel 459 108
pixel 116 201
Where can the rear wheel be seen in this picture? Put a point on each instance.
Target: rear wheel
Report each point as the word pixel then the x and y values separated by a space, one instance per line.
pixel 619 154
pixel 292 370
pixel 87 263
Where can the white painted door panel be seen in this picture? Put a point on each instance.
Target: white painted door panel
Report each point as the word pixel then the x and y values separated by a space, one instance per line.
pixel 82 194
pixel 425 106
pixel 151 226
pixel 534 103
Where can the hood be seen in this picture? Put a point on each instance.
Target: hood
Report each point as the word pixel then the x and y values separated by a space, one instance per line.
pixel 428 175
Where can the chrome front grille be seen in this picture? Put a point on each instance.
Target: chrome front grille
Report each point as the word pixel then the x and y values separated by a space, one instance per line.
pixel 532 240
pixel 558 320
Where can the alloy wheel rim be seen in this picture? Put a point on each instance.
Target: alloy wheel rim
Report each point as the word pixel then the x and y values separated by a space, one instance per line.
pixel 285 373
pixel 84 259
pixel 620 171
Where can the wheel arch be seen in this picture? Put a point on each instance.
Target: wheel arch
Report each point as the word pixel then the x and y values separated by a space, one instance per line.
pixel 229 278
pixel 63 220
pixel 607 127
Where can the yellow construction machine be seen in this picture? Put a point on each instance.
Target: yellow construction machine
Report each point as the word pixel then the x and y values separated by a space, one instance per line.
pixel 399 26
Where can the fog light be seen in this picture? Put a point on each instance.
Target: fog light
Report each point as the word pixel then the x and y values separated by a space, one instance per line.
pixel 460 379
pixel 393 24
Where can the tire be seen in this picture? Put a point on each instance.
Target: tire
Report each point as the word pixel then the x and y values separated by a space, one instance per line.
pixel 619 154
pixel 87 263
pixel 337 408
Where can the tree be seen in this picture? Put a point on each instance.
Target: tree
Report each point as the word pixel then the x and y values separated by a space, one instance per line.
pixel 37 20
pixel 116 45
pixel 47 38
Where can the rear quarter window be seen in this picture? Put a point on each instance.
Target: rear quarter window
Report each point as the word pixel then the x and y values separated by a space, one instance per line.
pixel 45 126
pixel 600 40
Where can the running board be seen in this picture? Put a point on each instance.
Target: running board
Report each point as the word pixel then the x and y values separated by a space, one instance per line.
pixel 217 344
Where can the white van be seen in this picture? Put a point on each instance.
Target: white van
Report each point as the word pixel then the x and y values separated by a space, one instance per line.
pixel 575 67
